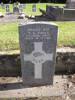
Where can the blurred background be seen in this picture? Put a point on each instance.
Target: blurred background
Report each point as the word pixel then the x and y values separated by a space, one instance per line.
pixel 33 1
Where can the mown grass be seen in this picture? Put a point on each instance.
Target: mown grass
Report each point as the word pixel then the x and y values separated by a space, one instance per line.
pixel 9 35
pixel 66 35
pixel 9 31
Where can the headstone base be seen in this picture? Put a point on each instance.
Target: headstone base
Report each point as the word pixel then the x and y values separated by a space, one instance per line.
pixel 69 14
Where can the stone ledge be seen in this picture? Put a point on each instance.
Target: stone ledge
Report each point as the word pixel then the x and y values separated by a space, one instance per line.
pixel 10 62
pixel 13 88
pixel 60 50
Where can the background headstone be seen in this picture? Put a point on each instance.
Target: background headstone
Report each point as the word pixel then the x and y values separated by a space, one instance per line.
pixel 24 6
pixel 7 9
pixel 70 4
pixel 20 8
pixel 38 49
pixel 34 7
pixel 15 8
pixel 2 5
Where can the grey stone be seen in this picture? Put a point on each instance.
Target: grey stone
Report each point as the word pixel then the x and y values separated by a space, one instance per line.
pixel 2 5
pixel 38 50
pixel 7 8
pixel 34 8
pixel 69 14
pixel 70 4
pixel 20 8
pixel 19 92
pixel 15 10
pixel 24 6
pixel 14 5
pixel 56 13
pixel 12 58
pixel 69 11
pixel 59 13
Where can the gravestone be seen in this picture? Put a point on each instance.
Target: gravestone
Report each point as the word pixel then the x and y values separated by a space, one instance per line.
pixel 69 11
pixel 38 49
pixel 7 9
pixel 54 12
pixel 2 5
pixel 24 6
pixel 20 8
pixel 70 4
pixel 59 13
pixel 15 9
pixel 34 8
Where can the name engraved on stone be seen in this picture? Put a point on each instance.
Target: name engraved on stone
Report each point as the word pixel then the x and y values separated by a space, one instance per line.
pixel 38 51
pixel 37 33
pixel 38 57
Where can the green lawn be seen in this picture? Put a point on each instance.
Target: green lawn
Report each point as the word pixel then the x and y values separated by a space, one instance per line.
pixel 28 10
pixel 9 35
pixel 66 35
pixel 9 31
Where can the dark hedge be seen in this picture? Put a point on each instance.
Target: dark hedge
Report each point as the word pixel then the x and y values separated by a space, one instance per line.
pixel 32 1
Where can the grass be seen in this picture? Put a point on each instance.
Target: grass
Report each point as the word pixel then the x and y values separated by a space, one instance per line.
pixel 9 31
pixel 28 10
pixel 66 35
pixel 9 36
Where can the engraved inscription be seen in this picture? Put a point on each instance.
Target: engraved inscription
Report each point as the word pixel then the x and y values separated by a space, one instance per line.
pixel 37 33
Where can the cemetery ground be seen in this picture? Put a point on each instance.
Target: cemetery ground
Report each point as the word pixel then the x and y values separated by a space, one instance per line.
pixel 9 35
pixel 11 88
pixel 28 10
pixel 9 29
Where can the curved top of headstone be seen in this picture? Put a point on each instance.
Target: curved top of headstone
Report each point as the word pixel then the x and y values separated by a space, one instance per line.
pixel 29 23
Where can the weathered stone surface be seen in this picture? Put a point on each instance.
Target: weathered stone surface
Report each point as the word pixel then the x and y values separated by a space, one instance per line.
pixel 69 14
pixel 24 6
pixel 2 5
pixel 10 62
pixel 59 13
pixel 34 8
pixel 7 9
pixel 20 8
pixel 55 12
pixel 15 10
pixel 70 4
pixel 38 49
pixel 63 88
pixel 12 87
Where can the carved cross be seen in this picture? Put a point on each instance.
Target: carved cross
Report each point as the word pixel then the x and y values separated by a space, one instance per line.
pixel 38 57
